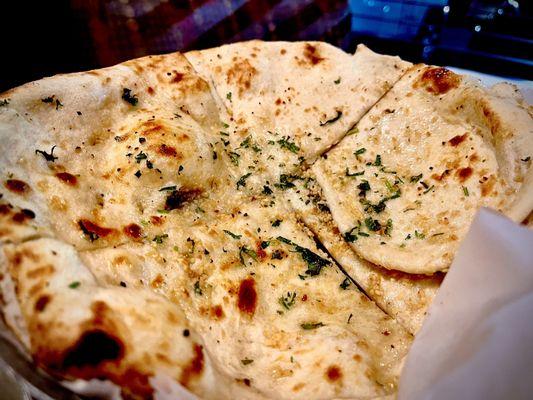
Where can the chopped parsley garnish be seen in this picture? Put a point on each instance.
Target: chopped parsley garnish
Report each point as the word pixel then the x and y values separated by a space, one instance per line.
pixel 129 97
pixel 141 156
pixel 245 251
pixel 311 325
pixel 372 224
pixel 228 96
pixel 419 235
pixel 377 208
pixel 137 174
pixel 526 159
pixel 224 133
pixel 48 157
pixel 234 157
pixel 4 102
pixel 288 300
pixel 247 143
pixel 315 263
pixel 267 190
pixel 285 143
pixel 246 361
pixel 364 186
pixel 197 288
pixel 234 236
pixel 226 126
pixel 332 120
pixel 415 178
pixel 349 236
pixel 377 162
pixel 337 81
pixel 52 99
pixel 242 180
pixel 360 151
pixel 277 255
pixel 388 227
pixel 159 238
pixel 429 189
pixel 355 173
pixel 265 244
pixel 349 318
pixel 465 191
pixel 345 283
pixel 92 236
pixel 276 223
pixel 180 168
pixel 168 188
pixel 285 181
pixel 74 285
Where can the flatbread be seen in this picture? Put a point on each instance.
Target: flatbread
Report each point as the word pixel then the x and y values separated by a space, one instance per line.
pixel 237 276
pixel 405 297
pixel 404 187
pixel 133 248
pixel 110 158
pixel 283 104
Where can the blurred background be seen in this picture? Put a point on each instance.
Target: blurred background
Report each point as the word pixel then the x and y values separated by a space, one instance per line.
pixel 49 37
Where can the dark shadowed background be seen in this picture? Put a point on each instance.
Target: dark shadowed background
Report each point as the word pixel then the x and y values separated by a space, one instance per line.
pixel 42 38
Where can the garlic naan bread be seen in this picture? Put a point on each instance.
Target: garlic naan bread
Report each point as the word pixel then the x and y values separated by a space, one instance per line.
pixel 134 250
pixel 405 185
pixel 405 297
pixel 283 104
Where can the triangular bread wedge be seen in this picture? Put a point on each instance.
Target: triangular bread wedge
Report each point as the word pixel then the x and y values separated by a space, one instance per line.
pixel 404 187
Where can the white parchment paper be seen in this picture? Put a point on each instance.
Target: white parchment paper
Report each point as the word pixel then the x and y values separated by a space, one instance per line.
pixel 477 341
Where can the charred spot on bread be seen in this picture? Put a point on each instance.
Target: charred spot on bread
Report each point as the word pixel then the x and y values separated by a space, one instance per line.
pixel 133 230
pixel 247 300
pixel 93 348
pixel 17 186
pixel 178 198
pixel 439 80
pixel 195 366
pixel 92 230
pixel 67 178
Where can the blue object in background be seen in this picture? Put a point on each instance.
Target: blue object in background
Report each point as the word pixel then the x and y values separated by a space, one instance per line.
pixel 391 19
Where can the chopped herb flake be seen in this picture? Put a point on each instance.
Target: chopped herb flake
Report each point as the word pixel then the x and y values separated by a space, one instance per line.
pixel 129 97
pixel 311 325
pixel 345 283
pixel 242 180
pixel 159 238
pixel 234 236
pixel 419 235
pixel 74 285
pixel 48 157
pixel 315 263
pixel 355 173
pixel 285 143
pixel 415 178
pixel 332 120
pixel 168 188
pixel 372 224
pixel 288 300
pixel 360 151
pixel 245 251
pixel 197 288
